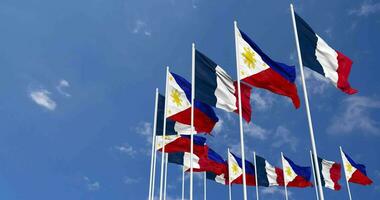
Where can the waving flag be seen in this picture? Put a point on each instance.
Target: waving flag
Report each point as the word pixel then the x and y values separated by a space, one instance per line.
pixel 330 172
pixel 179 106
pixel 180 143
pixel 222 179
pixel 321 58
pixel 294 175
pixel 355 173
pixel 236 171
pixel 267 175
pixel 215 87
pixel 184 158
pixel 258 70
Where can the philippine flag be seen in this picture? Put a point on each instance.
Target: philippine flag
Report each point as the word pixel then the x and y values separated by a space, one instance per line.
pixel 235 171
pixel 320 57
pixel 294 175
pixel 355 173
pixel 212 162
pixel 267 174
pixel 258 70
pixel 179 106
pixel 331 173
pixel 215 87
pixel 179 143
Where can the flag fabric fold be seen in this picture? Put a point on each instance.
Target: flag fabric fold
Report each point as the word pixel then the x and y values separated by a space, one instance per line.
pixel 320 57
pixel 179 106
pixel 331 173
pixel 236 171
pixel 355 173
pixel 268 175
pixel 258 70
pixel 215 87
pixel 294 175
pixel 180 143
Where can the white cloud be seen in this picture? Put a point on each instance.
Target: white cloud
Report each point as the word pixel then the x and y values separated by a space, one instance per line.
pixel 218 126
pixel 262 100
pixel 91 185
pixel 41 97
pixel 365 9
pixel 126 149
pixel 141 27
pixel 316 83
pixel 130 180
pixel 60 87
pixel 274 190
pixel 356 115
pixel 282 137
pixel 255 131
pixel 145 129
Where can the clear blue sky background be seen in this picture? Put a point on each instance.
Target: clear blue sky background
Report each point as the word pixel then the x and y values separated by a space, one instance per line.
pixel 77 88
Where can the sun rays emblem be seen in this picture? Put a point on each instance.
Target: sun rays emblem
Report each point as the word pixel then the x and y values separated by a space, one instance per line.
pixel 235 169
pixel 176 98
pixel 349 167
pixel 288 171
pixel 249 58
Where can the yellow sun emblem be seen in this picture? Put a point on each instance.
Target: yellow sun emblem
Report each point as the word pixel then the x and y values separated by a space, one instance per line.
pixel 176 98
pixel 249 58
pixel 288 171
pixel 349 167
pixel 235 169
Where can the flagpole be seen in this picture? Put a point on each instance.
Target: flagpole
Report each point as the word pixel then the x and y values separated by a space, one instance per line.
pixel 166 174
pixel 283 171
pixel 313 145
pixel 183 182
pixel 152 160
pixel 240 115
pixel 256 178
pixel 314 169
pixel 204 186
pixel 344 167
pixel 154 168
pixel 229 180
pixel 163 134
pixel 192 118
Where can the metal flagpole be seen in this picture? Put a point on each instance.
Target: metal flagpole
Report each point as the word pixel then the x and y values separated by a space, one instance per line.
pixel 183 182
pixel 344 167
pixel 314 148
pixel 229 172
pixel 166 174
pixel 163 135
pixel 283 171
pixel 192 118
pixel 152 160
pixel 204 186
pixel 240 115
pixel 256 178
pixel 314 169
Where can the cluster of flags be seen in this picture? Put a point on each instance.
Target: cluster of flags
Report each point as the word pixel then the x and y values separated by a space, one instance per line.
pixel 188 109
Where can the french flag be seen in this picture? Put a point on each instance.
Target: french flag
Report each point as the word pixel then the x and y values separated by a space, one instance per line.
pixel 331 173
pixel 215 87
pixel 320 57
pixel 267 174
pixel 355 173
pixel 221 178
pixel 294 175
pixel 184 159
pixel 235 170
pixel 179 106
pixel 258 70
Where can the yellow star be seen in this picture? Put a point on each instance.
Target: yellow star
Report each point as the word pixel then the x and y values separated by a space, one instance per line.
pixel 349 167
pixel 249 58
pixel 170 78
pixel 176 98
pixel 288 171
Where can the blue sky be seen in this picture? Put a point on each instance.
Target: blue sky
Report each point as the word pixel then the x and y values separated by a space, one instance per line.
pixel 77 88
